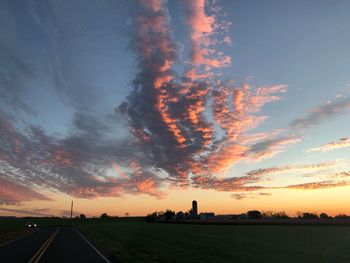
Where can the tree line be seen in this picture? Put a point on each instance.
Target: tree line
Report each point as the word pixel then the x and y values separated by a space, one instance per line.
pixel 251 214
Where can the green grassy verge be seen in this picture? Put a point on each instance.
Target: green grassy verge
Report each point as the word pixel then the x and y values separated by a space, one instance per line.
pixel 137 241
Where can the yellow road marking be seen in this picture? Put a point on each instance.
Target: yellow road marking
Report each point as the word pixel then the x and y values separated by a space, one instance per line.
pixel 43 248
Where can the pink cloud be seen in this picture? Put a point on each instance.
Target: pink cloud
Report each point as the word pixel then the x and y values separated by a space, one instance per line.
pixel 15 193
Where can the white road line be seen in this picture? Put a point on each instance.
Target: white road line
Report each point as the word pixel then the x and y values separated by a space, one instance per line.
pixel 17 238
pixel 105 259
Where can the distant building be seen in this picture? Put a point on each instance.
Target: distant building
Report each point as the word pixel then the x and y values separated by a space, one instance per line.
pixel 242 216
pixel 205 216
pixel 194 208
pixel 226 217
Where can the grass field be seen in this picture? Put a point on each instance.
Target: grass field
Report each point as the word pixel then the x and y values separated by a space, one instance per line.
pixel 13 228
pixel 137 241
pixel 133 240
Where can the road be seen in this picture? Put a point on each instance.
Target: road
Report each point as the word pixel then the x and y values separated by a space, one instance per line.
pixel 51 244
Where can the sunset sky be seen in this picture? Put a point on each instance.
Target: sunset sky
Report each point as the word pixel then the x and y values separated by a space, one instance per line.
pixel 137 106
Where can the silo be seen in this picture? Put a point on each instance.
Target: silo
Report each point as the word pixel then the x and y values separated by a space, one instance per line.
pixel 194 208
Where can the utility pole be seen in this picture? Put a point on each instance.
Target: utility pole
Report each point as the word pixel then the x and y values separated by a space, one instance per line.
pixel 71 212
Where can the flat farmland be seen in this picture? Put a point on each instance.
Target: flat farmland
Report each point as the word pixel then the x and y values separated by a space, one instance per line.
pixel 137 241
pixel 11 228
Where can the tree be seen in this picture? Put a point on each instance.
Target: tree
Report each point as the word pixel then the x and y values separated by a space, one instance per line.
pixel 308 215
pixel 104 215
pixel 340 216
pixel 324 216
pixel 280 214
pixel 267 214
pixel 187 215
pixel 180 215
pixel 169 214
pixel 151 217
pixel 82 216
pixel 255 214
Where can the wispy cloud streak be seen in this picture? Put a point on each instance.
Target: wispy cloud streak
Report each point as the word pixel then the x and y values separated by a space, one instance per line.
pixel 318 185
pixel 12 193
pixel 342 143
pixel 322 113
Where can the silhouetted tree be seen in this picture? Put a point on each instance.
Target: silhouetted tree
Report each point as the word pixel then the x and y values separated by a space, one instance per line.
pixel 151 217
pixel 169 214
pixel 280 214
pixel 324 216
pixel 341 216
pixel 180 215
pixel 104 215
pixel 82 216
pixel 308 215
pixel 267 214
pixel 255 214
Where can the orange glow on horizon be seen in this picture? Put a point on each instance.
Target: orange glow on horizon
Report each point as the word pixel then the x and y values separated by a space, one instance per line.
pixel 316 201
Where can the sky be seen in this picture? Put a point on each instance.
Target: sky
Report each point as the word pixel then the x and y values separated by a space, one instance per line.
pixel 144 105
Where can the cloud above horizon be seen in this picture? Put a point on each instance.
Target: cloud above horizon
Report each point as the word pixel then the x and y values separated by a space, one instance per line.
pixel 181 124
pixel 341 143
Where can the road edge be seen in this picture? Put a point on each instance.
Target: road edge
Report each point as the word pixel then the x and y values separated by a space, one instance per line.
pixel 103 256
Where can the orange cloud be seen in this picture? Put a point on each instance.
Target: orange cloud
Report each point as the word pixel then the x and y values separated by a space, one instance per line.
pixel 342 143
pixel 155 40
pixel 202 31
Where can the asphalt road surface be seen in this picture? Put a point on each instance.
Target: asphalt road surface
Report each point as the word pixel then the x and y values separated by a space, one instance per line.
pixel 50 244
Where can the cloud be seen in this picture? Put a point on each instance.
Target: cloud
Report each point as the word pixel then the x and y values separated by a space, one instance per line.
pixel 181 125
pixel 44 48
pixel 24 212
pixel 12 193
pixel 296 168
pixel 76 165
pixel 185 127
pixel 174 117
pixel 342 143
pixel 202 38
pixel 46 212
pixel 230 184
pixel 245 186
pixel 241 196
pixel 322 113
pixel 271 147
pixel 318 185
